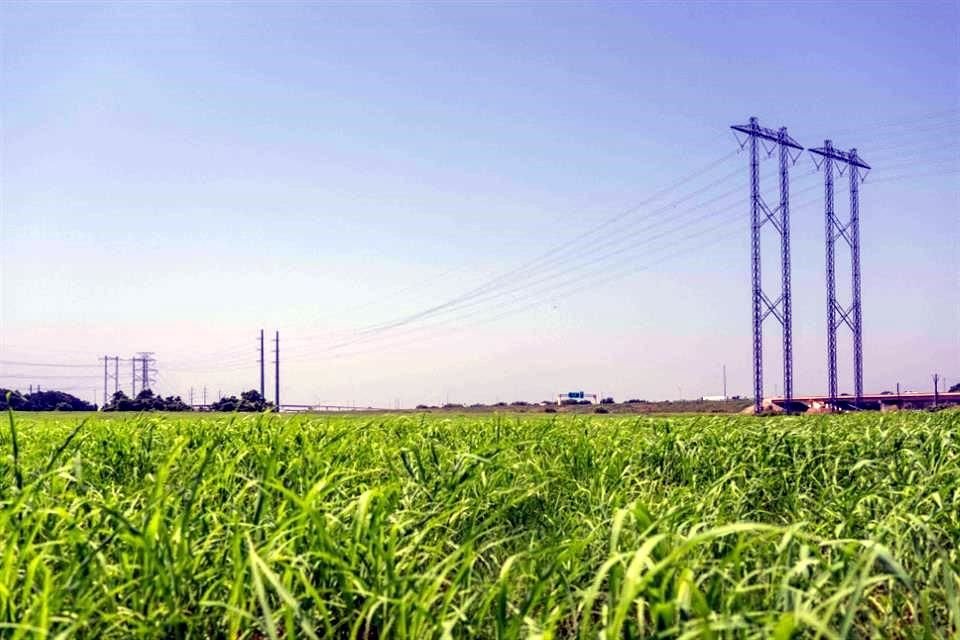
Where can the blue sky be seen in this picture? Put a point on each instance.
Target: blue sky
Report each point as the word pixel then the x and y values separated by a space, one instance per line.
pixel 176 176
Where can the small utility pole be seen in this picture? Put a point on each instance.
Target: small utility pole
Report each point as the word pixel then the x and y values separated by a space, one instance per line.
pixel 936 389
pixel 204 395
pixel 724 383
pixel 105 359
pixel 262 388
pixel 133 383
pixel 191 397
pixel 276 373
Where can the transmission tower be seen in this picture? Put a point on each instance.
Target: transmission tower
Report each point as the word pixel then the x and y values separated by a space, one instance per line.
pixel 779 218
pixel 147 370
pixel 115 376
pixel 826 157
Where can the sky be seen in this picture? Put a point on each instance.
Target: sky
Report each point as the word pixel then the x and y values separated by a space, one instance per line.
pixel 465 202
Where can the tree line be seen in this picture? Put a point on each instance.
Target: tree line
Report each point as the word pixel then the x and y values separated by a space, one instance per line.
pixel 42 401
pixel 248 402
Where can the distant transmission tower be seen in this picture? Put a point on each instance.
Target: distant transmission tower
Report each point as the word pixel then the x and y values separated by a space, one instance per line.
pixel 115 376
pixel 779 218
pixel 147 370
pixel 825 157
pixel 133 379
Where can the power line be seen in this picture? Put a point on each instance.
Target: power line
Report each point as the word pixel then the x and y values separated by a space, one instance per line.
pixel 464 300
pixel 587 282
pixel 904 121
pixel 49 364
pixel 531 268
pixel 577 239
pixel 572 267
pixel 554 291
pixel 30 376
pixel 590 277
pixel 562 290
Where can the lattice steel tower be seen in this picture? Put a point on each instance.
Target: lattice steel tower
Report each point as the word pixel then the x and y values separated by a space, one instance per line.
pixel 779 218
pixel 853 315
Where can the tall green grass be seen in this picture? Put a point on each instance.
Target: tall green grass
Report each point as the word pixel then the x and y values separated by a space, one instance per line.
pixel 161 526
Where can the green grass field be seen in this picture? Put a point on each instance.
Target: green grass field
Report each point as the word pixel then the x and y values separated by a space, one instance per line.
pixel 498 526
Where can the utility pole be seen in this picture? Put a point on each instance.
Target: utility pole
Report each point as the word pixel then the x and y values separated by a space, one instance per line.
pixel 850 232
pixel 276 373
pixel 204 395
pixel 105 359
pixel 724 383
pixel 262 388
pixel 116 376
pixel 191 397
pixel 936 389
pixel 133 383
pixel 779 218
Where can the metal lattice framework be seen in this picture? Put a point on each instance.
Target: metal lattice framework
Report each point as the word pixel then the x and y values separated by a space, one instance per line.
pixel 107 376
pixel 826 157
pixel 760 213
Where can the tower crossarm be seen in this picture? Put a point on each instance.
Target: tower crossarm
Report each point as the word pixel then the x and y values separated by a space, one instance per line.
pixel 846 157
pixel 772 135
